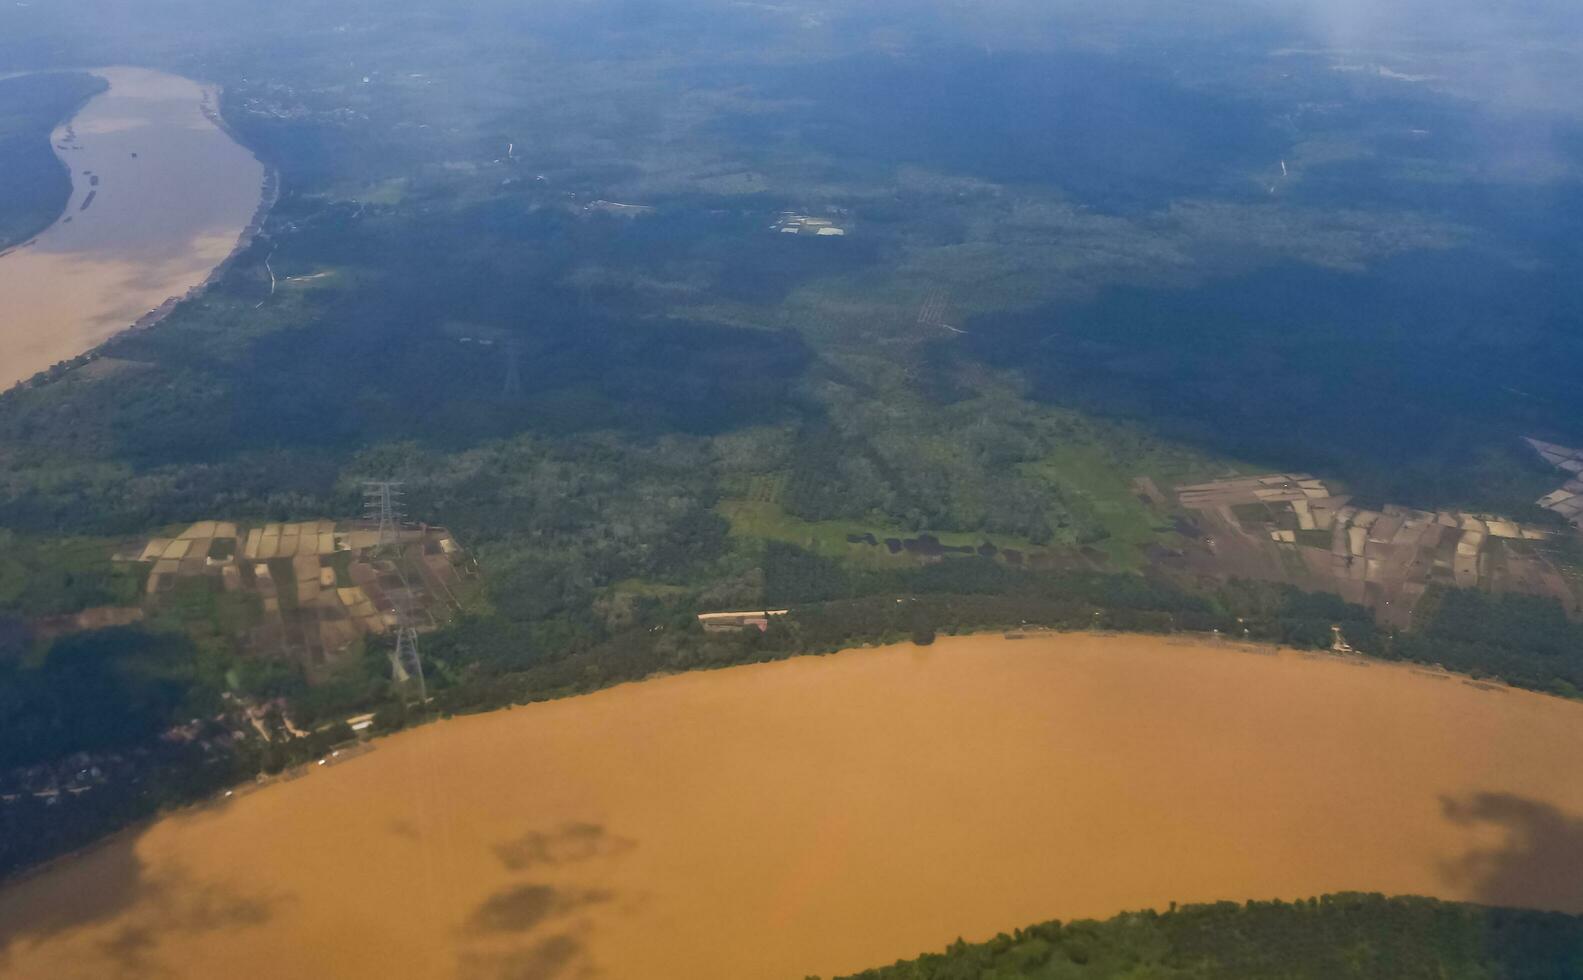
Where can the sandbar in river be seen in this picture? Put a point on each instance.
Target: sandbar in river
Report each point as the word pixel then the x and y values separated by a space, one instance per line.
pixel 173 194
pixel 825 814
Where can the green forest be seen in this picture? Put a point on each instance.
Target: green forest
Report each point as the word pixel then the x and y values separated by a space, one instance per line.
pixel 1334 937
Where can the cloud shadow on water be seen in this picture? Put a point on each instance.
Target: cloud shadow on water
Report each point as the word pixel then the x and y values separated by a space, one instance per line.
pixel 74 892
pixel 1538 865
pixel 552 958
pixel 526 907
pixel 533 930
pixel 516 915
pixel 569 844
pixel 111 884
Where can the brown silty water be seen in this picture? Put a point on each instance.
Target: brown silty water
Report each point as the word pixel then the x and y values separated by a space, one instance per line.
pixel 825 814
pixel 173 194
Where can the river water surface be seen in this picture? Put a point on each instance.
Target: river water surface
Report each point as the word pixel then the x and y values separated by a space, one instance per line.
pixel 160 194
pixel 826 814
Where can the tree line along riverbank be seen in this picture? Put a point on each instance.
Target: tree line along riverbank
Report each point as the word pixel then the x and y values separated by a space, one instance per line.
pixel 483 663
pixel 1188 768
pixel 1333 937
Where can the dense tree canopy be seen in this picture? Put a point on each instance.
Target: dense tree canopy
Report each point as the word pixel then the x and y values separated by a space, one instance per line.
pixel 1337 937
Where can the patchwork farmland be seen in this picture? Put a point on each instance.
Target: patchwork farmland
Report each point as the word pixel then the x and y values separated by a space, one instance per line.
pixel 1567 500
pixel 1291 527
pixel 312 588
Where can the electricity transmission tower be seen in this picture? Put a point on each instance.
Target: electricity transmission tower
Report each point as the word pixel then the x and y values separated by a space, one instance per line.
pixel 382 507
pixel 382 500
pixel 405 662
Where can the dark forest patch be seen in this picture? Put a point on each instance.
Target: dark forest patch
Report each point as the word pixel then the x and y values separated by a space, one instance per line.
pixel 1114 132
pixel 1412 382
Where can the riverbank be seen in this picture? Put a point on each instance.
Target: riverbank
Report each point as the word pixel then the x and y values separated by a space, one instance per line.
pixel 821 814
pixel 443 707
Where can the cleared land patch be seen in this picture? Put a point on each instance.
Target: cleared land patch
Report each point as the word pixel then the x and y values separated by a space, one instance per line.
pixel 1291 527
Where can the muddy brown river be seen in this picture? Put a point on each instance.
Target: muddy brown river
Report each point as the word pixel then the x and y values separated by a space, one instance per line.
pixel 160 196
pixel 826 814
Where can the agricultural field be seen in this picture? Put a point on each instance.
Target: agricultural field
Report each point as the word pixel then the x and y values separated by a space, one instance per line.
pixel 1291 527
pixel 1568 499
pixel 306 591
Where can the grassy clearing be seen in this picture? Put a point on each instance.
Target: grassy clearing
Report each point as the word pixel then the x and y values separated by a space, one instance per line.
pixel 647 589
pixel 389 192
pixel 758 488
pixel 56 576
pixel 201 606
pixel 767 521
pixel 1100 491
